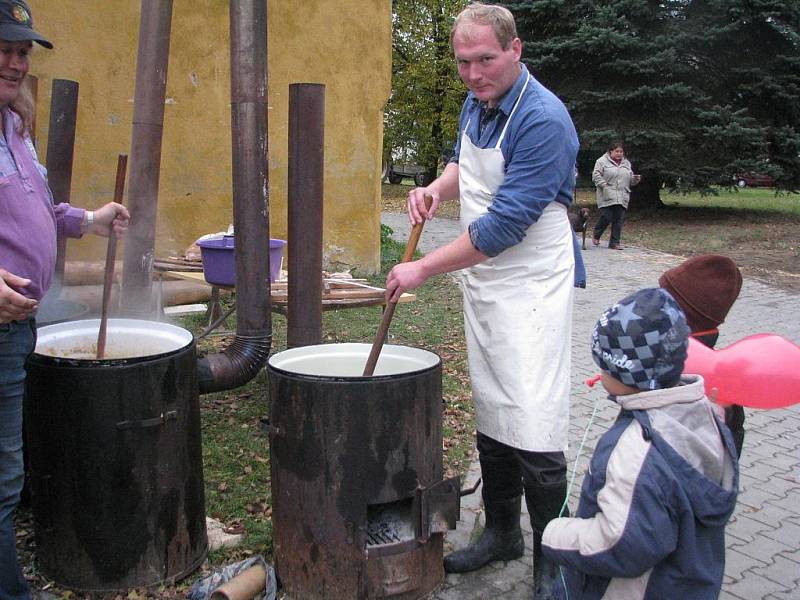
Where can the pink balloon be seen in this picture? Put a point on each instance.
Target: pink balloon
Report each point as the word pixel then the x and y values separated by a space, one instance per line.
pixel 759 371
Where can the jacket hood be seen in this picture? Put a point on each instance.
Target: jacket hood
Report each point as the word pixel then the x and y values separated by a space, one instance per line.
pixel 685 429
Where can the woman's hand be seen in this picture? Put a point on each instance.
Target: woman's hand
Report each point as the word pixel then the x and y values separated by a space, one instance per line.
pixel 13 305
pixel 111 216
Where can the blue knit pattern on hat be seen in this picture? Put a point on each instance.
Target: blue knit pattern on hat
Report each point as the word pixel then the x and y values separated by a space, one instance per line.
pixel 642 340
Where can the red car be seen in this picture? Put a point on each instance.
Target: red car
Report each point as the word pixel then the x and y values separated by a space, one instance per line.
pixel 754 180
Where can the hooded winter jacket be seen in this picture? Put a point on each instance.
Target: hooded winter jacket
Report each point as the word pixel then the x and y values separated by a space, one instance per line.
pixel 613 181
pixel 661 486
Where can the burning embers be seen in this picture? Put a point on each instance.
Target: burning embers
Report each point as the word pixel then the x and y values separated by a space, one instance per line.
pixel 389 523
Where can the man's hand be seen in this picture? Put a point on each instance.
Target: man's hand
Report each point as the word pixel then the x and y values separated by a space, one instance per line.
pixel 417 212
pixel 442 189
pixel 111 216
pixel 403 277
pixel 13 305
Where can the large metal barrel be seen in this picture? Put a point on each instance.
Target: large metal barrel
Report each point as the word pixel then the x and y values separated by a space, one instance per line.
pixel 115 455
pixel 357 472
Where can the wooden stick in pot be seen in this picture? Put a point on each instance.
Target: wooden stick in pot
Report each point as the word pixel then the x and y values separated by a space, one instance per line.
pixel 111 257
pixel 388 312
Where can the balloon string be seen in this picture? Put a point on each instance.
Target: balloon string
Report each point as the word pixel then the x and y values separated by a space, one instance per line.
pixel 571 484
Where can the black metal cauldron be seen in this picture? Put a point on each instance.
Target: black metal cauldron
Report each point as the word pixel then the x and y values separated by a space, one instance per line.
pixel 115 455
pixel 359 504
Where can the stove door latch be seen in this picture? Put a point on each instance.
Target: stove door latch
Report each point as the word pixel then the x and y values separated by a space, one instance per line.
pixel 438 508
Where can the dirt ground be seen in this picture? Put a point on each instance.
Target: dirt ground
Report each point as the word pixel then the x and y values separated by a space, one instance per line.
pixel 764 245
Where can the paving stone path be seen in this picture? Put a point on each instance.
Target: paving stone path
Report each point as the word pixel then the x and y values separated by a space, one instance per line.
pixel 763 538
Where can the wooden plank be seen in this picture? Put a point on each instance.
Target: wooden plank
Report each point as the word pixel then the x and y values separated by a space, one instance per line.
pixel 281 296
pixel 340 296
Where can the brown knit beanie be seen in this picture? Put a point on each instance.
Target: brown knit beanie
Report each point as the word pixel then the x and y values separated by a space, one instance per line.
pixel 706 287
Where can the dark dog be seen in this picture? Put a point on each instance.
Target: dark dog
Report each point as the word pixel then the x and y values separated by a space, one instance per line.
pixel 580 222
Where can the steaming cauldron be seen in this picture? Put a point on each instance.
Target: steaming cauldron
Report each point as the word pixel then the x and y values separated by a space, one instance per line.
pixel 359 507
pixel 115 455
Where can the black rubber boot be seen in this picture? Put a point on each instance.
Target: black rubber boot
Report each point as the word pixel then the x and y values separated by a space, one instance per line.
pixel 545 571
pixel 501 539
pixel 544 503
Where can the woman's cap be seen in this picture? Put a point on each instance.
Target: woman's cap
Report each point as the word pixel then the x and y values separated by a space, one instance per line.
pixel 16 23
pixel 706 287
pixel 642 340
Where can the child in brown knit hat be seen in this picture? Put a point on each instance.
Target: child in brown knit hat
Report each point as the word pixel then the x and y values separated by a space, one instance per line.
pixel 706 287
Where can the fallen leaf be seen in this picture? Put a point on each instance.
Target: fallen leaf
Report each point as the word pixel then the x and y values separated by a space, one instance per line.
pixel 234 528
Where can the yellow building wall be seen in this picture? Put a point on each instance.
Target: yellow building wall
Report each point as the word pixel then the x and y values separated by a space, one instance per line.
pixel 345 45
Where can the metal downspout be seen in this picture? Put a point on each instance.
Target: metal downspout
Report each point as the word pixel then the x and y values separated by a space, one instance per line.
pixel 247 354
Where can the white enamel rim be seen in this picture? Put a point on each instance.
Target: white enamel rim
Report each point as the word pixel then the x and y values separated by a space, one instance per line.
pixel 319 360
pixel 53 340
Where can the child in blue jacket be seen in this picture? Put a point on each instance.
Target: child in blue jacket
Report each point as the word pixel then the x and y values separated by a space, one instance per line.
pixel 662 482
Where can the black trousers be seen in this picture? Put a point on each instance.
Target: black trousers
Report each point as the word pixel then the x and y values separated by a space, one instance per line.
pixel 734 419
pixel 615 215
pixel 508 472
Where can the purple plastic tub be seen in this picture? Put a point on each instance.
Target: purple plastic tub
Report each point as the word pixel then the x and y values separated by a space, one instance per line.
pixel 219 267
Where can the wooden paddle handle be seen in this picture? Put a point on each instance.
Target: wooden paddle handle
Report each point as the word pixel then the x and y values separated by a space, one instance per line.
pixel 111 257
pixel 388 313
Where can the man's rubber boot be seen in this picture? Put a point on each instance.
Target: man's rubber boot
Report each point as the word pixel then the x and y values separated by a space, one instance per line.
pixel 545 571
pixel 544 504
pixel 501 539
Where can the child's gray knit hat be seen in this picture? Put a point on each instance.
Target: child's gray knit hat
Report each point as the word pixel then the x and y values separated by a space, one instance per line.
pixel 642 340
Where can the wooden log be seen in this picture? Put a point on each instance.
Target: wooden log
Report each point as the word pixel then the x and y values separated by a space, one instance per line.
pixel 174 293
pixel 88 272
pixel 244 586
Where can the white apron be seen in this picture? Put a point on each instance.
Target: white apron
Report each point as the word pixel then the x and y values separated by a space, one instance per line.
pixel 518 315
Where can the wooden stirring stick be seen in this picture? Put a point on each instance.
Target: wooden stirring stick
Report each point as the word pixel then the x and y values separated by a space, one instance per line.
pixel 388 313
pixel 111 258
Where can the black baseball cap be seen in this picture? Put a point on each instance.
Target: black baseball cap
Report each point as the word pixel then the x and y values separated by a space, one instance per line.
pixel 16 23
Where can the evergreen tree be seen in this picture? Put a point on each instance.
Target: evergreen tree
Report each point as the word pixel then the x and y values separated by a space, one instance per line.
pixel 698 90
pixel 421 117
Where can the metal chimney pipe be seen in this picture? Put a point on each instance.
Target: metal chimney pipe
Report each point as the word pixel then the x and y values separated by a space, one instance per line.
pixel 60 153
pixel 305 199
pixel 247 354
pixel 155 23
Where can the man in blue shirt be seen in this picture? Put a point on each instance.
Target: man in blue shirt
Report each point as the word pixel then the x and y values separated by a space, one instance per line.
pixel 513 173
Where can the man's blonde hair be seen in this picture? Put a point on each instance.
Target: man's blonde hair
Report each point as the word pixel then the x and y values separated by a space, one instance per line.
pixel 497 17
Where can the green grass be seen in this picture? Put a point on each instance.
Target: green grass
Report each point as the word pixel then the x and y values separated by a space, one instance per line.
pixel 752 199
pixel 749 199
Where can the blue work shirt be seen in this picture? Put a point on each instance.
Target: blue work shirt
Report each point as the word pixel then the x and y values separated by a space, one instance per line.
pixel 539 149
